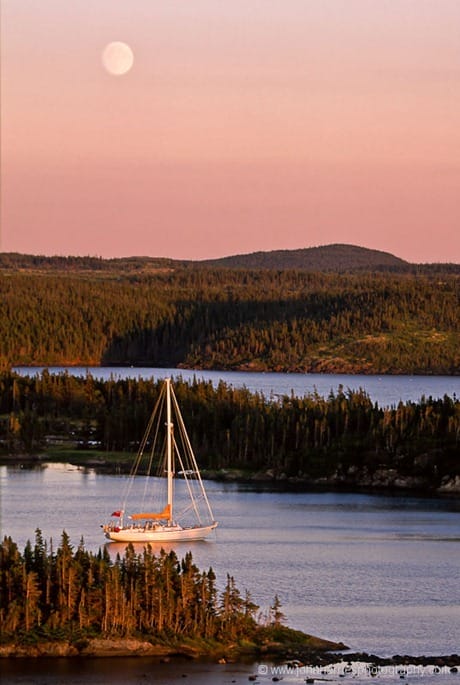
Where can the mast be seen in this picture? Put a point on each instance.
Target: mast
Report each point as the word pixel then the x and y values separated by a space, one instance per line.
pixel 169 465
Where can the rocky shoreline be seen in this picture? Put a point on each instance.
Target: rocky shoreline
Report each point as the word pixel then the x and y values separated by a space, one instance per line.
pixel 450 661
pixel 357 480
pixel 322 654
pixel 312 648
pixel 354 479
pixel 93 647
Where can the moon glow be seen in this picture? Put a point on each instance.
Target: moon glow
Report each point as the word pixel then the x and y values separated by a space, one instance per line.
pixel 117 58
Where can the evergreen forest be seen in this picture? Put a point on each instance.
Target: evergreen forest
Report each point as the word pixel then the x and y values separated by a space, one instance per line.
pixel 310 439
pixel 227 318
pixel 398 319
pixel 72 594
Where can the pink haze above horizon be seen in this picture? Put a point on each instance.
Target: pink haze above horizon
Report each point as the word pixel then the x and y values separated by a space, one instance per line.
pixel 242 126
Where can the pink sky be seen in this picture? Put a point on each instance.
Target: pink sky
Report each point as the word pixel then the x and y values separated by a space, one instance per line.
pixel 244 125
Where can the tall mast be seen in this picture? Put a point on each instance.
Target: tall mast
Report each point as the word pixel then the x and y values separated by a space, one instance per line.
pixel 169 429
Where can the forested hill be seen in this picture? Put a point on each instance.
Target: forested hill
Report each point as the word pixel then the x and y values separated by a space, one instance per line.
pixel 266 320
pixel 325 258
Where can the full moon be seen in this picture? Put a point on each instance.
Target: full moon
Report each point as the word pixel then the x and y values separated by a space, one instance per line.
pixel 117 58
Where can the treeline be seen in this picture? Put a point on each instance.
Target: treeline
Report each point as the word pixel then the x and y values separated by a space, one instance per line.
pixel 308 437
pixel 74 594
pixel 15 261
pixel 234 319
pixel 337 257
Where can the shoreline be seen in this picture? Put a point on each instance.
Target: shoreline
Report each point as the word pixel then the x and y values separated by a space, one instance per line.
pixel 295 656
pixel 328 367
pixel 381 482
pixel 313 648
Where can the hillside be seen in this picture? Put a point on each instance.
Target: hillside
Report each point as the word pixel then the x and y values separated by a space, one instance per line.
pixel 259 320
pixel 323 258
pixel 326 258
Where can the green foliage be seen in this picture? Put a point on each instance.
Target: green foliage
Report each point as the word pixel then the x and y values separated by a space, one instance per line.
pixel 233 319
pixel 299 437
pixel 74 595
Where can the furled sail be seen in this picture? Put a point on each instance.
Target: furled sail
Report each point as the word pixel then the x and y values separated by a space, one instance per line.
pixel 165 514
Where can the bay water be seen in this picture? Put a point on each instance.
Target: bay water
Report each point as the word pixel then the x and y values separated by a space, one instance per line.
pixel 386 390
pixel 379 573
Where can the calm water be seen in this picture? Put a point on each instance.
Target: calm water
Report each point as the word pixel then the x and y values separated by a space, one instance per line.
pixel 386 390
pixel 379 573
pixel 140 670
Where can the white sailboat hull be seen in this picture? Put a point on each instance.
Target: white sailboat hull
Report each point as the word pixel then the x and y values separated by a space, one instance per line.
pixel 159 534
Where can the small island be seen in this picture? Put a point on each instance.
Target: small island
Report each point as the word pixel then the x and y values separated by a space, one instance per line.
pixel 71 602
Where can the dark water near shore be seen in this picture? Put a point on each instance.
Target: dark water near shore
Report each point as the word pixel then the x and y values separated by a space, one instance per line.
pixel 385 390
pixel 103 671
pixel 141 670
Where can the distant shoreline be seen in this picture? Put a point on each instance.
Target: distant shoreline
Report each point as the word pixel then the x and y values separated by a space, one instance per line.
pixel 249 368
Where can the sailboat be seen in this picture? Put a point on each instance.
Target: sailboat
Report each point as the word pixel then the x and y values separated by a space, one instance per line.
pixel 163 517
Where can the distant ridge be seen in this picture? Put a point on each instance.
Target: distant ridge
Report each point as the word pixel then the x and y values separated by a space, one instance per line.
pixel 332 258
pixel 335 257
pixel 57 263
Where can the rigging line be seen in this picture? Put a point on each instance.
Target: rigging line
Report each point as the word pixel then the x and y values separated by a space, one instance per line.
pixel 192 498
pixel 185 511
pixel 130 481
pixel 153 495
pixel 190 450
pixel 155 429
pixel 189 466
pixel 193 483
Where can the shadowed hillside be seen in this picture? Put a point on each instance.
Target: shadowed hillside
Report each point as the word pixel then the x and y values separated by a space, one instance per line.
pixel 241 319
